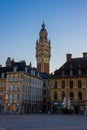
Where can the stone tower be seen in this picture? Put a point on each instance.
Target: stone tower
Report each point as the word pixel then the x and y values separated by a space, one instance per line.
pixel 43 51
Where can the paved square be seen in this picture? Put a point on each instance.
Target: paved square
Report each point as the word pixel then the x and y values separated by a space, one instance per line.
pixel 43 122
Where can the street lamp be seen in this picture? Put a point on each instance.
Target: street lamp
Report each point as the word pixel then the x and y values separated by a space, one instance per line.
pixel 10 106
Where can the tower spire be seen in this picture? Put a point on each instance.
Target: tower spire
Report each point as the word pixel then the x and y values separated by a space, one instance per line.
pixel 43 26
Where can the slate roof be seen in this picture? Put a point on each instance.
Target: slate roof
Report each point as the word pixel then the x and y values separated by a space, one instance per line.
pixel 20 67
pixel 75 64
pixel 44 75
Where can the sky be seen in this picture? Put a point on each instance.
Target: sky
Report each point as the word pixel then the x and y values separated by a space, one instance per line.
pixel 20 24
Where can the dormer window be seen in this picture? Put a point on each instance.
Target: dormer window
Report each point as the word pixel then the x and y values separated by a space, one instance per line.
pixel 71 73
pixel 15 69
pixel 79 72
pixel 63 73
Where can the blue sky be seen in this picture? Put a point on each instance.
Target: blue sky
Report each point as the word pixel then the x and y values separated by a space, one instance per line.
pixel 21 20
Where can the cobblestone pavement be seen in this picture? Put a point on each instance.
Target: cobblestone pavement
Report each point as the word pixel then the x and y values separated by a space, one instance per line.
pixel 43 122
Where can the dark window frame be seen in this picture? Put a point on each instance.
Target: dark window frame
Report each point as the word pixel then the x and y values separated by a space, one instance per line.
pixel 63 84
pixel 55 84
pixel 71 96
pixel 79 95
pixel 79 84
pixel 55 95
pixel 71 84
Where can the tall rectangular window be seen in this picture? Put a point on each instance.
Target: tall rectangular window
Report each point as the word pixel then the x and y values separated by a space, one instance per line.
pixel 13 88
pixel 55 84
pixel 71 84
pixel 12 96
pixel 55 95
pixel 79 95
pixel 44 84
pixel 18 96
pixel 79 84
pixel 44 92
pixel 63 84
pixel 71 96
pixel 8 96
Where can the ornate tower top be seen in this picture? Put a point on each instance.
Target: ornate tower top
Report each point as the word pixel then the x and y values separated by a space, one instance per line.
pixel 43 51
pixel 43 28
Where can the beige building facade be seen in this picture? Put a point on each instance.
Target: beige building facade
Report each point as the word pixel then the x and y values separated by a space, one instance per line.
pixel 69 85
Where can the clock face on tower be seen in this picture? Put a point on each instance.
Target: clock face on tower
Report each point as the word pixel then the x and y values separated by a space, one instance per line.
pixel 46 60
pixel 39 60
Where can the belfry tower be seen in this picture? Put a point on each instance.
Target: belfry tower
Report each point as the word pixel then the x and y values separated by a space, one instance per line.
pixel 43 51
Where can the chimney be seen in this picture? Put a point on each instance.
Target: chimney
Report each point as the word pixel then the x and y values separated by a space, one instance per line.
pixel 12 63
pixel 69 57
pixel 85 55
pixel 8 62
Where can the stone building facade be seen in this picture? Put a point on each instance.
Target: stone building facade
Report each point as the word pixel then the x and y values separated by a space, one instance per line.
pixel 20 88
pixel 69 85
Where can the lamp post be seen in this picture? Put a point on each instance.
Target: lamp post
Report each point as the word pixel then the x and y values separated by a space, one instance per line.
pixel 10 106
